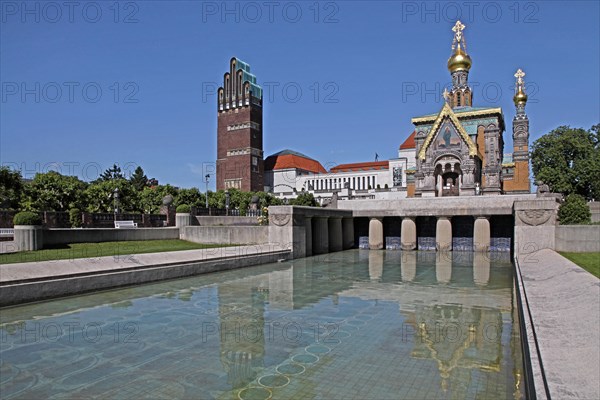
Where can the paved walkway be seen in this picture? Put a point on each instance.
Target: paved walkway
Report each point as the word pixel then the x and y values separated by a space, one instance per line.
pixel 35 271
pixel 564 300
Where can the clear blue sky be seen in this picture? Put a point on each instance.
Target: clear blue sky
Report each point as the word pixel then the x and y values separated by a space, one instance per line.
pixel 364 69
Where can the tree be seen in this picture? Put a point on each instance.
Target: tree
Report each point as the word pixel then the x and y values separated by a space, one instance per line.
pixel 52 191
pixel 151 198
pixel 574 210
pixel 191 197
pixel 304 199
pixel 99 196
pixel 11 188
pixel 568 161
pixel 138 179
pixel 110 174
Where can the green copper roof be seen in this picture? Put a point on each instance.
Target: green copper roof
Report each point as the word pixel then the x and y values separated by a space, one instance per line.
pixel 458 110
pixel 247 76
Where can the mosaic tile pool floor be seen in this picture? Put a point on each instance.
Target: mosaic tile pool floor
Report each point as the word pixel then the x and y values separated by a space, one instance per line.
pixel 349 325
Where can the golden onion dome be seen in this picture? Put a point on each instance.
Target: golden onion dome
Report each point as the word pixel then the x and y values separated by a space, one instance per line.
pixel 459 61
pixel 520 97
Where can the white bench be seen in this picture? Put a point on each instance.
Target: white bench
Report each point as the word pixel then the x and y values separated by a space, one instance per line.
pixel 125 224
pixel 7 232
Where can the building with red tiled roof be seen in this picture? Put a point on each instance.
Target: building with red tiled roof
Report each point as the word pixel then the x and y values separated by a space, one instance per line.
pixel 289 159
pixel 409 143
pixel 361 166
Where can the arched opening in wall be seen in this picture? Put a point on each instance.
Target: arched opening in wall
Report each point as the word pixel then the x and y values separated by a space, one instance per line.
pixel 448 176
pixel 462 233
pixel 392 226
pixel 502 229
pixel 426 233
pixel 361 232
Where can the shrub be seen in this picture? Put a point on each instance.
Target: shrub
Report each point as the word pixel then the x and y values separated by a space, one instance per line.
pixel 183 209
pixel 27 218
pixel 574 210
pixel 75 217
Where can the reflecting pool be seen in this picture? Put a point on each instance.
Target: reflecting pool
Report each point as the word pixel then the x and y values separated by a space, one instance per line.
pixel 356 324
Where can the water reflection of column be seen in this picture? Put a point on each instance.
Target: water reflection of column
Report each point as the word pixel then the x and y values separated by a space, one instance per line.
pixel 308 235
pixel 481 234
pixel 375 265
pixel 481 268
pixel 443 267
pixel 408 234
pixel 320 235
pixel 408 267
pixel 376 234
pixel 443 234
pixel 348 232
pixel 335 234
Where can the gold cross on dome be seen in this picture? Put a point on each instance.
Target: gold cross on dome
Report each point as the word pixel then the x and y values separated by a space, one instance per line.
pixel 446 95
pixel 457 29
pixel 519 75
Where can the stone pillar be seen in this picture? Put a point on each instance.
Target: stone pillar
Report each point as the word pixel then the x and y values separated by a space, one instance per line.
pixel 481 234
pixel 408 234
pixel 376 234
pixel 29 237
pixel 443 234
pixel 335 234
pixel 348 232
pixel 308 233
pixel 183 219
pixel 320 235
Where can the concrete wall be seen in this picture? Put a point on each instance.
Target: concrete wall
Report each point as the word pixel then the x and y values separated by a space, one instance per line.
pixel 23 291
pixel 578 238
pixel 435 206
pixel 226 234
pixel 225 221
pixel 96 235
pixel 595 210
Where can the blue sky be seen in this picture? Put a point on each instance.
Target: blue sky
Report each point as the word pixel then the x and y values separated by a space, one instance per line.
pixel 89 84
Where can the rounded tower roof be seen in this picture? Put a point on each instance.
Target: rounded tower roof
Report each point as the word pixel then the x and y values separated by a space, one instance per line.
pixel 459 60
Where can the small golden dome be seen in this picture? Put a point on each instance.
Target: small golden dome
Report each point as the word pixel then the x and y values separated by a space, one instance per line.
pixel 520 97
pixel 459 61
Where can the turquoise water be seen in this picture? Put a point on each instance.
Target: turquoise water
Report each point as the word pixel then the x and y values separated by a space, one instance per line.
pixel 356 324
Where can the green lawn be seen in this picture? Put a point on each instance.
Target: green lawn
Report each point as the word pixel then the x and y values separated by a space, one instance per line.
pixel 588 261
pixel 94 250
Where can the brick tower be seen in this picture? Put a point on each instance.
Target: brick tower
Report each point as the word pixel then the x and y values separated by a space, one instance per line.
pixel 239 130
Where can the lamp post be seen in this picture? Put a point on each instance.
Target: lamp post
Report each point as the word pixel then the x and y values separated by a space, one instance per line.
pixel 206 177
pixel 116 199
pixel 227 202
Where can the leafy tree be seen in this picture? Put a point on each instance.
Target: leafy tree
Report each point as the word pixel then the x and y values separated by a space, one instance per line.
pixel 304 199
pixel 111 174
pixel 574 210
pixel 138 179
pixel 99 196
pixel 192 197
pixel 151 198
pixel 568 161
pixel 52 191
pixel 11 188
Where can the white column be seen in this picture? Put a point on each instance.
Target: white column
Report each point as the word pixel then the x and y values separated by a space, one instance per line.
pixel 408 234
pixel 443 234
pixel 376 234
pixel 481 234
